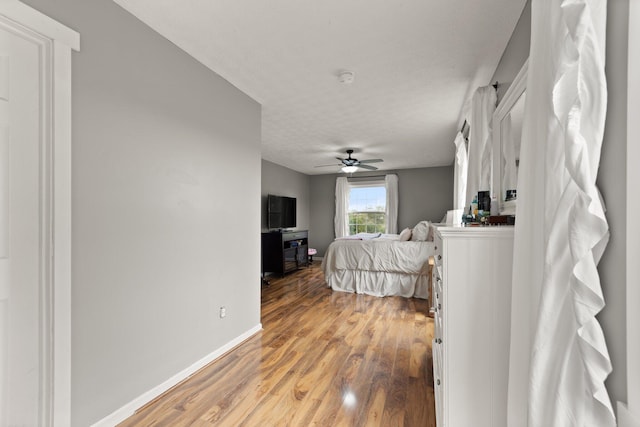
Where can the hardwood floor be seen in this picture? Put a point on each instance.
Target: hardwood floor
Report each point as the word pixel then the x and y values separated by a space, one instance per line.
pixel 324 358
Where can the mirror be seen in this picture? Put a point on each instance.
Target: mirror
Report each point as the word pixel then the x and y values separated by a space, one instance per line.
pixel 507 138
pixel 511 129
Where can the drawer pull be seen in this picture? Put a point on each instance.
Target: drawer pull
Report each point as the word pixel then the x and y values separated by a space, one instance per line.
pixel 438 382
pixel 439 341
pixel 439 257
pixel 439 306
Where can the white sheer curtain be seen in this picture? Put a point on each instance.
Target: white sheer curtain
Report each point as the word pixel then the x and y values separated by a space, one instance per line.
pixel 483 105
pixel 558 359
pixel 391 184
pixel 460 167
pixel 341 220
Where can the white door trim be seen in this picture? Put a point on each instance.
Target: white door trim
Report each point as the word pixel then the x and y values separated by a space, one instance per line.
pixel 35 21
pixel 57 41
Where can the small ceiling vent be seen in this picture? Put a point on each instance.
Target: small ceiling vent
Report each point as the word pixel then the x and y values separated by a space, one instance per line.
pixel 346 77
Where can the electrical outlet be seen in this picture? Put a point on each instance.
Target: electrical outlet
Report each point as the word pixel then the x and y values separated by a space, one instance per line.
pixel 223 312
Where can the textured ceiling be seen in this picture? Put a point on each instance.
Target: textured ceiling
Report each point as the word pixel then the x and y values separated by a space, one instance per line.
pixel 416 65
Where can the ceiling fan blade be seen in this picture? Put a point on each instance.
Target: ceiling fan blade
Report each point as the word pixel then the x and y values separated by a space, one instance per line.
pixel 371 168
pixel 342 160
pixel 324 166
pixel 372 161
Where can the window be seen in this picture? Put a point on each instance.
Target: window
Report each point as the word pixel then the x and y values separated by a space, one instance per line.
pixel 380 198
pixel 367 207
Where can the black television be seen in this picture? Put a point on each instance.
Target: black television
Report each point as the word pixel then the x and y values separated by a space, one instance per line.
pixel 281 212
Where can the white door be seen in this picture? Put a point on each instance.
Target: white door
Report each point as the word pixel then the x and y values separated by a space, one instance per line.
pixel 23 233
pixel 35 217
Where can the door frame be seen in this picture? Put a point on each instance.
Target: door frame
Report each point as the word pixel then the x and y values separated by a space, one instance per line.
pixel 56 42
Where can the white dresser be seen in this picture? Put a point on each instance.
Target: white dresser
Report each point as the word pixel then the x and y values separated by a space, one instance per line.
pixel 472 303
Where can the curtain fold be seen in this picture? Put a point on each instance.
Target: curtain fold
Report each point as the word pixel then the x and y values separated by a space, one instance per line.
pixel 559 359
pixel 483 104
pixel 391 185
pixel 341 220
pixel 460 173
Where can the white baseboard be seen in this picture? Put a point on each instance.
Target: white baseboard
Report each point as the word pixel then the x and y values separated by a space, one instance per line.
pixel 626 418
pixel 129 409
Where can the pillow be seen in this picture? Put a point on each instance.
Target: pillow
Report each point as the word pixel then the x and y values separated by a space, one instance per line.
pixel 405 234
pixel 430 233
pixel 420 232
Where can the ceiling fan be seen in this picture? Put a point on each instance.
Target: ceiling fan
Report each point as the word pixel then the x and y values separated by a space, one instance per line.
pixel 350 164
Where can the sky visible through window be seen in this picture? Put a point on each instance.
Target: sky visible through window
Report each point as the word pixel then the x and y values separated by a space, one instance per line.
pixel 363 199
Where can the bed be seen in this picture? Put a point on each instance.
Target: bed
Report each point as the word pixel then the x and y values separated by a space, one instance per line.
pixel 383 264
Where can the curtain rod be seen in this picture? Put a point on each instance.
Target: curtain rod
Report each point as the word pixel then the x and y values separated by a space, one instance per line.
pixel 369 176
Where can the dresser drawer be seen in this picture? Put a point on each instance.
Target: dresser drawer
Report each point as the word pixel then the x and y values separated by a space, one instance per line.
pixel 295 235
pixel 438 379
pixel 437 329
pixel 437 279
pixel 437 249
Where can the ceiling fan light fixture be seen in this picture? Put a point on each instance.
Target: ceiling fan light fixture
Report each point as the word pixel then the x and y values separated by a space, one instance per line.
pixel 349 169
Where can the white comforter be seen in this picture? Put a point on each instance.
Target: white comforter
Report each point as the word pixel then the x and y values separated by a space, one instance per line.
pixel 379 266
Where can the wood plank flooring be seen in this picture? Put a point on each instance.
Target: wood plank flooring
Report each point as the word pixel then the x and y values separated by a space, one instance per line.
pixel 324 358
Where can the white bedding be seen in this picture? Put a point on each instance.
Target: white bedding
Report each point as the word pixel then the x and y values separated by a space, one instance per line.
pixel 380 266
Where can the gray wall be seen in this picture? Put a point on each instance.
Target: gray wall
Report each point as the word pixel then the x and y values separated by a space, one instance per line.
pixel 515 54
pixel 611 177
pixel 160 214
pixel 283 181
pixel 322 207
pixel 423 194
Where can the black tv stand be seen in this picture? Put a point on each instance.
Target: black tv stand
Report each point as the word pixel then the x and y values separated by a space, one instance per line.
pixel 284 251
